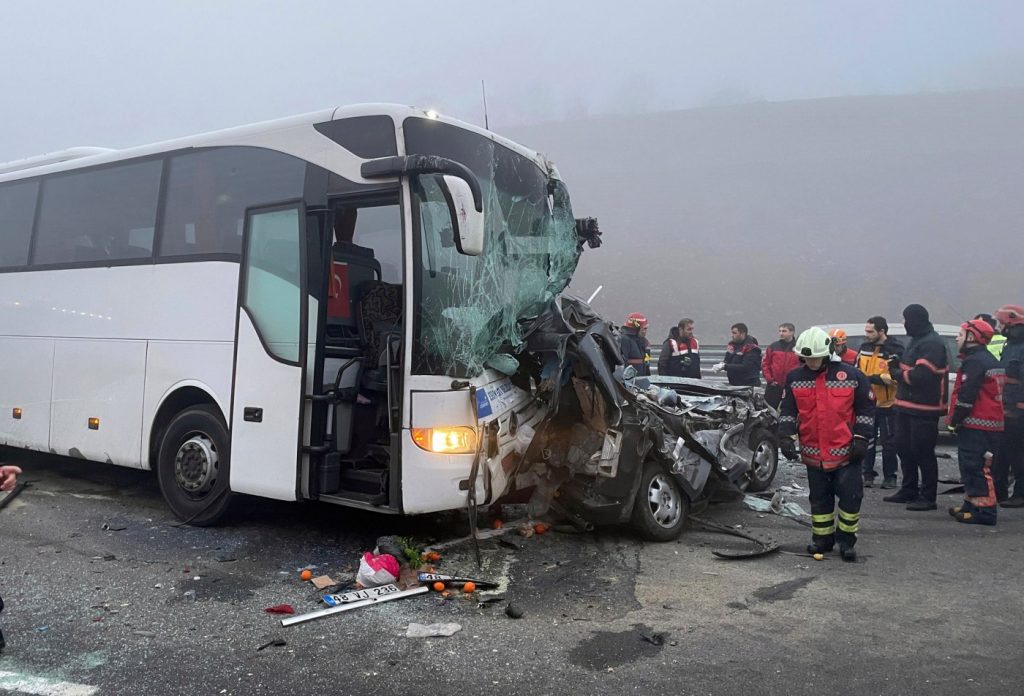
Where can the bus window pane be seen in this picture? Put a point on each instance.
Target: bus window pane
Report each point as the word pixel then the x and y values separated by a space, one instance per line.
pixel 208 192
pixel 17 210
pixel 272 280
pixel 99 215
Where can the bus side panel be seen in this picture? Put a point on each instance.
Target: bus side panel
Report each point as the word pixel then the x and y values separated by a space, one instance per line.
pixel 172 365
pixel 104 380
pixel 26 372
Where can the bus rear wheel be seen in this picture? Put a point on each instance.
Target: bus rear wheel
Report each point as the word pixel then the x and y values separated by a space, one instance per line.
pixel 193 466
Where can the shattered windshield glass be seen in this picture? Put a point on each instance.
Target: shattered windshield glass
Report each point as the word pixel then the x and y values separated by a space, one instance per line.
pixel 469 307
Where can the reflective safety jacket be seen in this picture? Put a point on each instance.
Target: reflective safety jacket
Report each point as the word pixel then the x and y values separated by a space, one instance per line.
pixel 995 346
pixel 743 362
pixel 873 361
pixel 680 358
pixel 977 400
pixel 923 377
pixel 826 408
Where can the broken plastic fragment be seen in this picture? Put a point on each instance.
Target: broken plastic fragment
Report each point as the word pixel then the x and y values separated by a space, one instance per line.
pixel 437 630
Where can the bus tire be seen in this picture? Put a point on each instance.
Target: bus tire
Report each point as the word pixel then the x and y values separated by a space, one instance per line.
pixel 194 466
pixel 661 507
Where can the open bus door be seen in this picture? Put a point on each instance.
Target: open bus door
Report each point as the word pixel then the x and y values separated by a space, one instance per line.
pixel 270 354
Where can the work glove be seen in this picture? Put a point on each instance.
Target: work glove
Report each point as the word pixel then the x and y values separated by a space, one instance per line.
pixel 718 367
pixel 895 371
pixel 787 446
pixel 887 379
pixel 860 448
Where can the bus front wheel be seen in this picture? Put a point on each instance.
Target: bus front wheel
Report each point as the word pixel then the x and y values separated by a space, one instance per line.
pixel 193 466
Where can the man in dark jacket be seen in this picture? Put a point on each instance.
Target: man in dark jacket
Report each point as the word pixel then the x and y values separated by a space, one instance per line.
pixel 976 414
pixel 779 360
pixel 680 353
pixel 1011 445
pixel 921 385
pixel 742 362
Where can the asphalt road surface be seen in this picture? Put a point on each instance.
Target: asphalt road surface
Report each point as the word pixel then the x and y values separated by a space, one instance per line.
pixel 106 595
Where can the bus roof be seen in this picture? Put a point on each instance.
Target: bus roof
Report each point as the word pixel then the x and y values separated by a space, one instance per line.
pixel 74 158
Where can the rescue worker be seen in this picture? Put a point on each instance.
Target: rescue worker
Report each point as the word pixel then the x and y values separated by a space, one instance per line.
pixel 976 415
pixel 995 346
pixel 742 362
pixel 633 343
pixel 1010 456
pixel 921 384
pixel 680 353
pixel 829 405
pixel 846 354
pixel 8 480
pixel 779 360
pixel 878 349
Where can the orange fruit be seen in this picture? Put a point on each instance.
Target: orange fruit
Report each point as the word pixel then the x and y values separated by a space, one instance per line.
pixel 438 586
pixel 469 587
pixel 540 528
pixel 497 524
pixel 306 574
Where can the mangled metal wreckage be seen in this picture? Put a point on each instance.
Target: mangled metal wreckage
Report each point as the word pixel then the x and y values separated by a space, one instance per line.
pixel 616 448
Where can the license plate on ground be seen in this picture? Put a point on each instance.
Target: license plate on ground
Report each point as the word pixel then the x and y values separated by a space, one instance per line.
pixel 333 600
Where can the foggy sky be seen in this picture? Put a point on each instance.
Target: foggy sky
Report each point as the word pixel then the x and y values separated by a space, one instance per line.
pixel 125 73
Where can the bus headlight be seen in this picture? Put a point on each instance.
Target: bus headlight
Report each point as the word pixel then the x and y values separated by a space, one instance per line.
pixel 456 440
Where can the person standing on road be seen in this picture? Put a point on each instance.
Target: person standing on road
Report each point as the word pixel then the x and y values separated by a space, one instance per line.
pixel 1010 457
pixel 995 346
pixel 841 350
pixel 8 480
pixel 830 406
pixel 976 415
pixel 742 362
pixel 779 359
pixel 680 353
pixel 877 351
pixel 921 385
pixel 633 343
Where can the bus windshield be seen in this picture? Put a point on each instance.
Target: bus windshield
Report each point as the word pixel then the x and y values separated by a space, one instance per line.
pixel 469 308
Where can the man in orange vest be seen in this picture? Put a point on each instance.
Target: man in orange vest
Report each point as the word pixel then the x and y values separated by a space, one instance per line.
pixel 873 360
pixel 830 406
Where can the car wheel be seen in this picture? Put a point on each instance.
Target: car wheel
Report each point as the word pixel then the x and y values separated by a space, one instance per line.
pixel 661 507
pixel 765 460
pixel 193 466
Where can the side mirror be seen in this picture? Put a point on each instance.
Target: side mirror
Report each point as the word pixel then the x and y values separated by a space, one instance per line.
pixel 467 221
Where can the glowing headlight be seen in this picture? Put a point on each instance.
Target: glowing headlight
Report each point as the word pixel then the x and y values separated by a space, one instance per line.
pixel 456 440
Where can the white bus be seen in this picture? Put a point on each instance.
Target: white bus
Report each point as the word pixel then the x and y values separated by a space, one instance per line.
pixel 305 309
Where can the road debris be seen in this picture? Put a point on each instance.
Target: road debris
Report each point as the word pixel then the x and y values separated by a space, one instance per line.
pixel 280 609
pixel 455 580
pixel 513 611
pixel 377 569
pixel 322 582
pixel 292 620
pixel 778 505
pixel 333 600
pixel 12 494
pixel 437 630
pixel 276 642
pixel 765 546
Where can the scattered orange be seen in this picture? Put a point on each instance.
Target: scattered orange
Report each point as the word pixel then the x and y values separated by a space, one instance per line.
pixel 497 524
pixel 439 586
pixel 431 557
pixel 469 587
pixel 306 574
pixel 540 528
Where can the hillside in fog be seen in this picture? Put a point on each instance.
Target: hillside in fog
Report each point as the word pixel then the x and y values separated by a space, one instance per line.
pixel 806 211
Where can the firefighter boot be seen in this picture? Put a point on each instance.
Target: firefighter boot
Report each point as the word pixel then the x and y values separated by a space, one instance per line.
pixel 847 552
pixel 820 544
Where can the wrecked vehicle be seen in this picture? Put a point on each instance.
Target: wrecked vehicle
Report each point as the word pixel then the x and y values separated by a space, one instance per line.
pixel 615 448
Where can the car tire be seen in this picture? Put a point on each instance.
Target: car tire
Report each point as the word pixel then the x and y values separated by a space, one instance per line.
pixel 765 460
pixel 661 506
pixel 194 466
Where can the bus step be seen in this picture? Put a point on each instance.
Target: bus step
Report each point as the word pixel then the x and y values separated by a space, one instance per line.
pixel 371 481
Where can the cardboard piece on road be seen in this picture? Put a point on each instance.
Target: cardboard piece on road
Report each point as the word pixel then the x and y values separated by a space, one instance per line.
pixel 322 582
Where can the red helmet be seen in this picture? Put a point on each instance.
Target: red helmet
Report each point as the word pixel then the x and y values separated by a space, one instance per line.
pixel 980 329
pixel 1009 315
pixel 636 320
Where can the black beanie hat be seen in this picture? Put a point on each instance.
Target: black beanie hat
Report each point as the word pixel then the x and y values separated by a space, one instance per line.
pixel 915 318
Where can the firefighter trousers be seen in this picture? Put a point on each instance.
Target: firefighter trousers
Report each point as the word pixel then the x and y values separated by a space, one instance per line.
pixel 1010 459
pixel 974 452
pixel 827 524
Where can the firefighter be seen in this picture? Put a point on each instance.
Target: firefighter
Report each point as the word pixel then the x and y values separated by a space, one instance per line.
pixel 1010 457
pixel 846 354
pixel 921 376
pixel 976 415
pixel 633 343
pixel 830 406
pixel 995 346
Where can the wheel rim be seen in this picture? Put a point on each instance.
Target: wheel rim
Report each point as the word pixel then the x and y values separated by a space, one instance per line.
pixel 764 460
pixel 196 465
pixel 664 499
